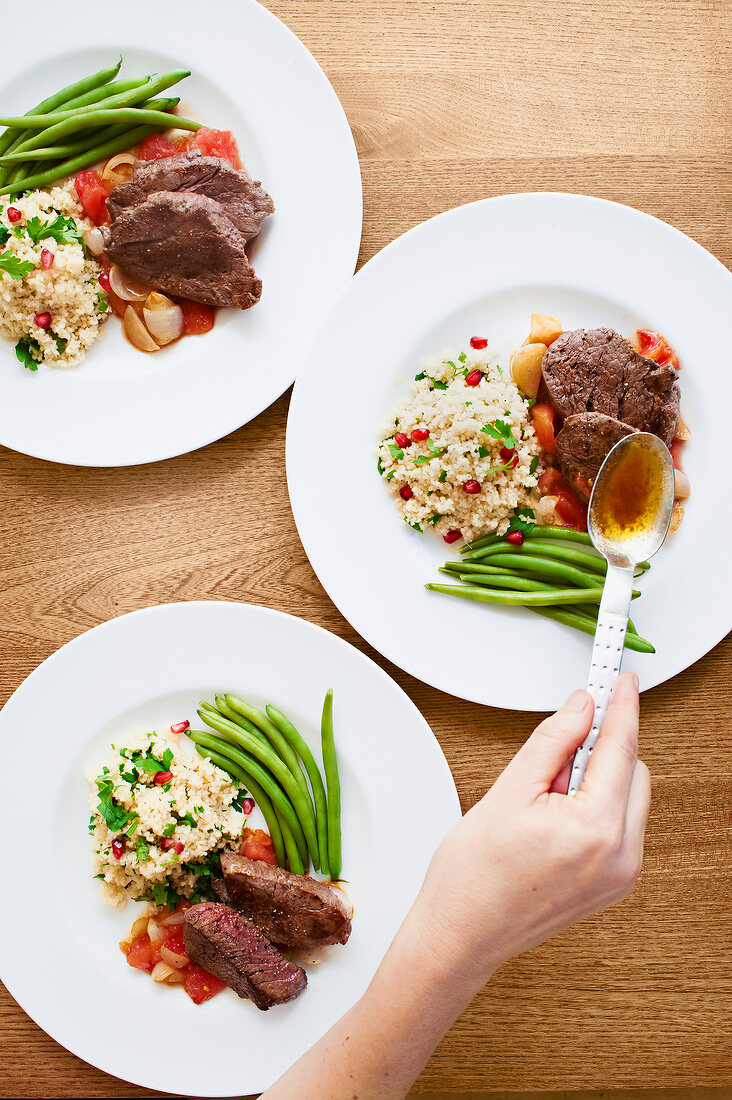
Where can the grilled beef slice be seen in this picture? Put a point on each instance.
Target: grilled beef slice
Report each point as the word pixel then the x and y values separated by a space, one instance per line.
pixel 245 201
pixel 294 911
pixel 596 370
pixel 185 245
pixel 584 442
pixel 227 945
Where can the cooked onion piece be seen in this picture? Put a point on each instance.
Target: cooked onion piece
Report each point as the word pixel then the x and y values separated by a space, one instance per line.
pixel 161 972
pixel 136 332
pixel 125 288
pixel 178 962
pixel 526 368
pixel 682 485
pixel 164 319
pixel 119 168
pixel 544 329
pixel 94 241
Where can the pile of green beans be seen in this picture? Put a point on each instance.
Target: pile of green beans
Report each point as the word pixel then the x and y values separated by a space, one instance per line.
pixel 265 753
pixel 555 572
pixel 83 124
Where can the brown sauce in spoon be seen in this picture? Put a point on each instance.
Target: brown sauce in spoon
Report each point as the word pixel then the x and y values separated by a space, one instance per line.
pixel 630 494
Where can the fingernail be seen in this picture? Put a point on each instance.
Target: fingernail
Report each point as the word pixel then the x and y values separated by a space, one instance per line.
pixel 577 701
pixel 635 680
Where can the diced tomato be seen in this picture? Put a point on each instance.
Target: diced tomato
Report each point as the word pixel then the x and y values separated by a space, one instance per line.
pixel 197 318
pixel 216 143
pixel 571 510
pixel 174 940
pixel 93 191
pixel 256 844
pixel 552 482
pixel 140 953
pixel 156 146
pixel 201 986
pixel 543 417
pixel 656 347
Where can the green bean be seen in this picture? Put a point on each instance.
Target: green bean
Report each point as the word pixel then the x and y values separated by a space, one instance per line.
pixel 257 793
pixel 89 141
pixel 570 554
pixel 563 534
pixel 316 780
pixel 587 626
pixel 522 584
pixel 333 782
pixel 248 763
pixel 79 87
pixel 281 745
pixel 239 719
pixel 279 769
pixel 84 160
pixel 125 100
pixel 96 95
pixel 526 599
pixel 519 584
pixel 545 568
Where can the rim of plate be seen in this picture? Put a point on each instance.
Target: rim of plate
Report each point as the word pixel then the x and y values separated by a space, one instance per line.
pixel 44 995
pixel 200 390
pixel 311 509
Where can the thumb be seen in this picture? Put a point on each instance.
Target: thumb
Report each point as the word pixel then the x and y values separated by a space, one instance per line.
pixel 542 757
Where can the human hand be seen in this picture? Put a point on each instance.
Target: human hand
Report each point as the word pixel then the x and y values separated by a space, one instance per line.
pixel 528 861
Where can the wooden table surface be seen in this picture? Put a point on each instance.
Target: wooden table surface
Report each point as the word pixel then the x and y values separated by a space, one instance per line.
pixel 450 101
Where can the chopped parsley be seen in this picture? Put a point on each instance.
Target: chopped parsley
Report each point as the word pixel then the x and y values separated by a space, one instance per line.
pixel 396 452
pixel 239 798
pixel 483 452
pixel 28 352
pixel 4 234
pixel 60 343
pixel 414 526
pixel 533 464
pixel 102 304
pixel 169 829
pixel 433 519
pixel 62 230
pixel 142 851
pixel 380 466
pixel 443 476
pixel 117 818
pixel 523 520
pixel 390 475
pixel 188 819
pixel 14 266
pixel 501 429
pixel 435 452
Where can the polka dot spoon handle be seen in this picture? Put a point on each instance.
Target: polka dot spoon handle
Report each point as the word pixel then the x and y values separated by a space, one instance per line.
pixel 607 656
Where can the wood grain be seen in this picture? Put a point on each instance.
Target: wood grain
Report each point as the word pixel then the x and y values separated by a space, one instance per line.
pixel 451 102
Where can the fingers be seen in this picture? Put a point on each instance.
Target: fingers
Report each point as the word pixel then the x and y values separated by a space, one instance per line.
pixel 560 783
pixel 552 743
pixel 639 803
pixel 610 770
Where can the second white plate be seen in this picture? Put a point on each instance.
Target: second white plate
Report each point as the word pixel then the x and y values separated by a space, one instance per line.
pixel 481 270
pixel 251 75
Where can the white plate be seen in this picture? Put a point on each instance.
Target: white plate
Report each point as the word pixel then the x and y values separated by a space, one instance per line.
pixel 59 956
pixel 482 270
pixel 250 74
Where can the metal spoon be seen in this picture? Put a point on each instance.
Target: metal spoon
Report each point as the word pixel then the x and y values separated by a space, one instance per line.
pixel 629 515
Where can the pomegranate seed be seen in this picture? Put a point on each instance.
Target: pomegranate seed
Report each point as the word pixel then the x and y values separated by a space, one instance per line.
pixel 478 342
pixel 406 492
pixel 471 486
pixel 474 378
pixel 180 727
pixel 178 847
pixel 166 844
pixel 247 805
pixel 420 434
pixel 507 453
pixel 47 259
pixel 515 537
pixel 402 440
pixel 452 536
pixel 43 320
pixel 162 777
pixel 118 847
pixel 514 462
pixel 14 215
pixel 104 282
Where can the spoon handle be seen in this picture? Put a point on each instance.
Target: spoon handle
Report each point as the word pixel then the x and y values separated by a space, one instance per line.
pixel 607 656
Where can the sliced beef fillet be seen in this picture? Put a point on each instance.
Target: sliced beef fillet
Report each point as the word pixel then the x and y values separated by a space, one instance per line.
pixel 232 948
pixel 583 444
pixel 294 911
pixel 245 201
pixel 185 245
pixel 596 370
